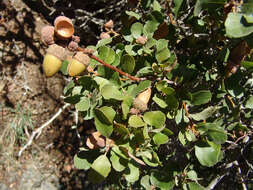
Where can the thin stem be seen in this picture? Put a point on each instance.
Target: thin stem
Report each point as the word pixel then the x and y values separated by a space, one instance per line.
pixel 107 65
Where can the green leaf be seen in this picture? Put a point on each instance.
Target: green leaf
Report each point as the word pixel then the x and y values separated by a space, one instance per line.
pixel 105 114
pixel 181 138
pixel 143 85
pixel 133 14
pixel 101 168
pixel 206 113
pixel 68 88
pixel 83 105
pixel 162 55
pixel 156 6
pixel 109 91
pixel 81 163
pixel 216 133
pixel 136 29
pixel 192 175
pixel 235 27
pixel 247 6
pixel 195 186
pixel 107 54
pixel 64 67
pixel 104 129
pixel 172 102
pixel 149 28
pixel 247 64
pixel 201 97
pixel 155 118
pixel 145 182
pixel 125 106
pixel 249 103
pixel 160 102
pixel 135 121
pixel 161 181
pixel 128 63
pixel 208 156
pixel 117 162
pixel 207 4
pixel 103 42
pixel 161 44
pixel 160 138
pixel 132 173
pixel 177 6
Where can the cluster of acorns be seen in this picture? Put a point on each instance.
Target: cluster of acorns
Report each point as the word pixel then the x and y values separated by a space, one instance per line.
pixel 63 45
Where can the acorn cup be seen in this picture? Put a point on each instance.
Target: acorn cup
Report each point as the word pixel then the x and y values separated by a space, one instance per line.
pixel 141 101
pixel 47 35
pixel 64 28
pixel 78 64
pixel 53 59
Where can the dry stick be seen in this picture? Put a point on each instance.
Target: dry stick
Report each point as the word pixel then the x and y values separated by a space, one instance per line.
pixel 107 65
pixel 38 131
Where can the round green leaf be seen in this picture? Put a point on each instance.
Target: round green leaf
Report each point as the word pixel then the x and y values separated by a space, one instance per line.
pixel 208 156
pixel 136 29
pixel 81 163
pixel 105 114
pixel 132 173
pixel 128 63
pixel 145 182
pixel 116 162
pixel 162 55
pixel 160 102
pixel 83 105
pixel 201 97
pixel 107 54
pixel 161 181
pixel 155 118
pixel 104 129
pixel 160 138
pixel 109 91
pixel 135 121
pixel 235 27
pixel 100 169
pixel 150 27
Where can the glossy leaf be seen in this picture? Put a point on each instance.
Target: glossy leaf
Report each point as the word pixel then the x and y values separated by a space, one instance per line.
pixel 83 105
pixel 135 121
pixel 81 163
pixel 136 29
pixel 235 27
pixel 155 118
pixel 109 91
pixel 107 54
pixel 101 168
pixel 128 63
pixel 160 138
pixel 132 174
pixel 201 97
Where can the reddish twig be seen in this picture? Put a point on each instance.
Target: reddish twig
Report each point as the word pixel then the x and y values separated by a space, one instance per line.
pixel 107 65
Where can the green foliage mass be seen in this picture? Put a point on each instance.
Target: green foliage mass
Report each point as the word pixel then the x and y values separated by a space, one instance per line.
pixel 196 112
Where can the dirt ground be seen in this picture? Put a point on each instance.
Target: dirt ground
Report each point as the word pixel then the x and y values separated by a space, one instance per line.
pixel 28 99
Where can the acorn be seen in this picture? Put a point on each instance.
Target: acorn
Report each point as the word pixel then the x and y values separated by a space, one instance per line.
pixel 47 35
pixel 78 64
pixel 63 27
pixel 141 101
pixel 53 59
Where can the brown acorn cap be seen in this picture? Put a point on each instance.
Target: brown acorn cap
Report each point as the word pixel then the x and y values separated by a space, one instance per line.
pixel 63 27
pixel 73 46
pixel 83 58
pixel 47 35
pixel 109 24
pixel 57 51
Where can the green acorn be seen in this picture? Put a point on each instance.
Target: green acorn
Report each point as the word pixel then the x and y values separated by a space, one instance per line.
pixel 53 59
pixel 78 64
